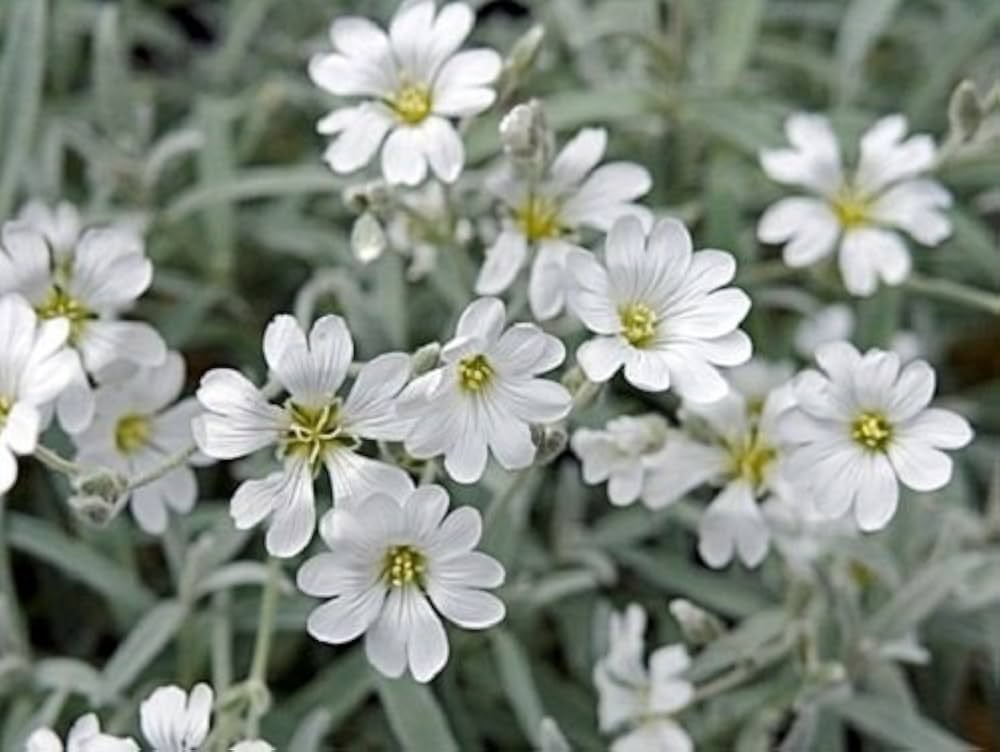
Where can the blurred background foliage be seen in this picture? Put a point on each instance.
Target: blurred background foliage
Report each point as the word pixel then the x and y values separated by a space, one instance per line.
pixel 196 119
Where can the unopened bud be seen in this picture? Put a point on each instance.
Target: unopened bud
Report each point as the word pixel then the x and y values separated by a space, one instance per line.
pixel 965 111
pixel 526 137
pixel 368 240
pixel 523 55
pixel 97 493
pixel 583 389
pixel 698 626
pixel 372 196
pixel 425 358
pixel 550 442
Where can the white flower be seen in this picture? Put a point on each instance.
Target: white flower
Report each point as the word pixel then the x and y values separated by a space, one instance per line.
pixel 412 82
pixel 395 564
pixel 860 214
pixel 252 745
pixel 545 216
pixel 623 454
pixel 136 427
pixel 486 395
pixel 836 322
pixel 314 427
pixel 60 224
pixel 34 368
pixel 862 426
pixel 640 700
pixel 658 310
pixel 800 532
pixel 84 736
pixel 732 444
pixel 173 721
pixel 88 287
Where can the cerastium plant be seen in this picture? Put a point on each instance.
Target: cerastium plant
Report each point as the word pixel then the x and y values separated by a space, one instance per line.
pixel 564 375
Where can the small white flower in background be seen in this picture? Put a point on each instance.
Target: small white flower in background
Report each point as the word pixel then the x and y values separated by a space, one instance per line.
pixel 860 215
pixel 426 227
pixel 60 224
pixel 623 453
pixel 395 564
pixel 486 396
pixel 174 721
pixel 252 745
pixel 733 444
pixel 88 288
pixel 634 703
pixel 35 366
pixel 546 214
pixel 836 322
pixel 862 426
pixel 314 428
pixel 413 82
pixel 659 310
pixel 138 424
pixel 84 736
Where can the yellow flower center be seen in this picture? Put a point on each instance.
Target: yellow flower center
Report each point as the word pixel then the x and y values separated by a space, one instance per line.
pixel 132 433
pixel 852 209
pixel 404 565
pixel 314 431
pixel 60 304
pixel 538 219
pixel 411 103
pixel 638 324
pixel 750 459
pixel 5 407
pixel 474 373
pixel 872 431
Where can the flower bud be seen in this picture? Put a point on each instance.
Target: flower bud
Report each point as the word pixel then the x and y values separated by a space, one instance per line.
pixel 698 626
pixel 522 56
pixel 368 240
pixel 526 137
pixel 965 112
pixel 374 195
pixel 97 494
pixel 550 442
pixel 425 358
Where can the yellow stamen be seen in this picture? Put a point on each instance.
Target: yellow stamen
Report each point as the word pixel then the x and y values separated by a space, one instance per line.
pixel 872 430
pixel 132 433
pixel 404 565
pixel 638 324
pixel 750 459
pixel 852 209
pixel 314 431
pixel 538 219
pixel 474 373
pixel 58 303
pixel 412 103
pixel 5 407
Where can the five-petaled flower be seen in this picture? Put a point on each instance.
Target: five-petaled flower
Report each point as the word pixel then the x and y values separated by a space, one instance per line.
pixel 314 428
pixel 413 82
pixel 395 564
pixel 861 214
pixel 659 310
pixel 863 426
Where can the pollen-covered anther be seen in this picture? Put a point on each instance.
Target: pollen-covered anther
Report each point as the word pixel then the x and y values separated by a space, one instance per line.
pixel 872 431
pixel 132 433
pixel 404 565
pixel 474 373
pixel 638 323
pixel 412 103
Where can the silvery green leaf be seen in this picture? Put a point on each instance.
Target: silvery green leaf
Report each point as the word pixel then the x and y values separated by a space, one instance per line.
pixel 310 732
pixel 737 23
pixel 415 716
pixel 924 592
pixel 140 647
pixel 740 644
pixel 79 562
pixel 862 25
pixel 551 738
pixel 69 674
pixel 115 99
pixel 238 574
pixel 895 726
pixel 514 670
pixel 367 238
pixel 22 71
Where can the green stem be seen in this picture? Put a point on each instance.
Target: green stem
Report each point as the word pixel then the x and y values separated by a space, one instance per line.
pixel 56 462
pixel 955 292
pixel 761 660
pixel 172 462
pixel 262 647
